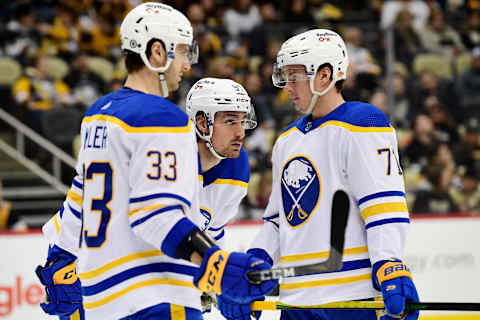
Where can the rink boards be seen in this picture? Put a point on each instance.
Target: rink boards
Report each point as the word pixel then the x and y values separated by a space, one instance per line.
pixel 443 253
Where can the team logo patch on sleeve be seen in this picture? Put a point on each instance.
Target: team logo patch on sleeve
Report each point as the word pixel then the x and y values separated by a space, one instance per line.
pixel 300 189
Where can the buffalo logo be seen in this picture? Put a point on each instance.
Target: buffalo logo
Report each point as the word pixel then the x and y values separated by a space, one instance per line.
pixel 300 190
pixel 208 218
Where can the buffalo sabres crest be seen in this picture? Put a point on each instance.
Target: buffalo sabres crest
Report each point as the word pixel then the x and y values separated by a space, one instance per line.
pixel 300 190
pixel 208 218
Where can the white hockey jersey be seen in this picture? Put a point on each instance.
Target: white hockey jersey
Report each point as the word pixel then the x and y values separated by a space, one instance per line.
pixel 125 213
pixel 223 188
pixel 353 148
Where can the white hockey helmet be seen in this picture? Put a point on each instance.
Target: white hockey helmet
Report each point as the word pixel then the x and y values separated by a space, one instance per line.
pixel 153 20
pixel 312 49
pixel 212 95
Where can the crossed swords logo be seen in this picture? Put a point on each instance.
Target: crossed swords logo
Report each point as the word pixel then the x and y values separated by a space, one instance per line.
pixel 296 201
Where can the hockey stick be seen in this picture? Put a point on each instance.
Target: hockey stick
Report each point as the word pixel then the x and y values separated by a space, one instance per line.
pixel 373 305
pixel 339 213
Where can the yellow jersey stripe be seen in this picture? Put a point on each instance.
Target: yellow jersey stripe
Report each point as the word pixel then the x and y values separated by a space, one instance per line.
pixel 157 206
pixel 57 225
pixel 322 254
pixel 200 177
pixel 326 282
pixel 127 128
pixel 384 208
pixel 75 197
pixel 115 263
pixel 231 182
pixel 138 285
pixel 177 312
pixel 288 132
pixel 351 127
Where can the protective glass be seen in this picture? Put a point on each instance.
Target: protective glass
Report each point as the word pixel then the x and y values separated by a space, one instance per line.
pixel 283 75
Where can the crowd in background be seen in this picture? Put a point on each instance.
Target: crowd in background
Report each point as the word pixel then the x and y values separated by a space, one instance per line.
pixel 68 53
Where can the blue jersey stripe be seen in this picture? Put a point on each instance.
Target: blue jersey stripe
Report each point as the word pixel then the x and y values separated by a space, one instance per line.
pixel 381 195
pixel 137 271
pixel 61 211
pixel 75 212
pixel 160 195
pixel 216 229
pixel 271 217
pixel 386 221
pixel 175 237
pixel 77 184
pixel 220 236
pixel 154 213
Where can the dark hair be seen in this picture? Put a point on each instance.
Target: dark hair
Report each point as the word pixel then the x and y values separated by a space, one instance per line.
pixel 339 83
pixel 133 61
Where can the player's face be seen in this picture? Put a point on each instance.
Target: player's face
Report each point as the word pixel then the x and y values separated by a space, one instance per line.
pixel 298 87
pixel 178 66
pixel 228 133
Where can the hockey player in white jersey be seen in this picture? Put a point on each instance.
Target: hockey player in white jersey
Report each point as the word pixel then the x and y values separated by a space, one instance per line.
pixel 221 110
pixel 126 221
pixel 336 145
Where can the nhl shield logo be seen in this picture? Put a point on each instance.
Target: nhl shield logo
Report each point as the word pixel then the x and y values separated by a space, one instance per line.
pixel 301 189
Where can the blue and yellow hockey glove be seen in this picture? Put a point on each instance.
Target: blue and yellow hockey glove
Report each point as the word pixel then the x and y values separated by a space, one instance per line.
pixel 64 291
pixel 395 281
pixel 225 273
pixel 236 311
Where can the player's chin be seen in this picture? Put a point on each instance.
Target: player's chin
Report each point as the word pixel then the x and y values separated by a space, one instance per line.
pixel 233 152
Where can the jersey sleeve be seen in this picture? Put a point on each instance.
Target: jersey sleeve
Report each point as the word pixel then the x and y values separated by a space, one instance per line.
pixel 268 238
pixel 376 180
pixel 164 188
pixel 63 229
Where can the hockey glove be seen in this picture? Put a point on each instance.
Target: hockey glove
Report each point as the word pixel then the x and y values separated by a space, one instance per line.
pixel 64 291
pixel 395 281
pixel 236 311
pixel 225 273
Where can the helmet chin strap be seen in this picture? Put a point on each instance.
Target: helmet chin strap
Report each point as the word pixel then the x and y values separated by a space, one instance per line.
pixel 317 94
pixel 212 150
pixel 163 84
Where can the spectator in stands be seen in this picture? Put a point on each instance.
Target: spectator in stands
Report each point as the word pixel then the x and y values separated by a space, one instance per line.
pixel 437 200
pixel 438 37
pixel 467 152
pixel 468 86
pixel 424 139
pixel 406 38
pixel 467 197
pixel 61 37
pixel 418 9
pixel 445 126
pixel 86 86
pixel 103 39
pixel 38 92
pixel 241 18
pixel 270 26
pixel 426 85
pixel 22 38
pixel 361 60
pixel 261 100
pixel 471 30
pixel 9 221
pixel 298 15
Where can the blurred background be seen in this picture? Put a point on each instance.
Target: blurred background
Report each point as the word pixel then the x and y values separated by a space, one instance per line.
pixel 418 61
